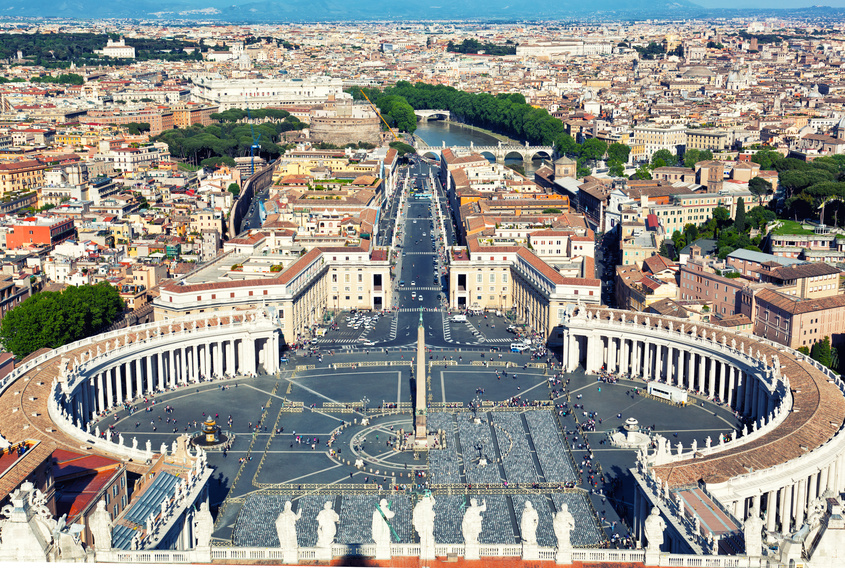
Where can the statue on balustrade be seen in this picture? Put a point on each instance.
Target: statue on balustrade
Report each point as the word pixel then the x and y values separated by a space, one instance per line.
pixel 326 526
pixel 753 532
pixel 423 520
pixel 203 526
pixel 286 528
pixel 471 524
pixel 654 527
pixel 528 524
pixel 563 525
pixel 101 526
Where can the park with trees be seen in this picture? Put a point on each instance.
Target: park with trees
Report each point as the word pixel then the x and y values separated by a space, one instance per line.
pixel 231 136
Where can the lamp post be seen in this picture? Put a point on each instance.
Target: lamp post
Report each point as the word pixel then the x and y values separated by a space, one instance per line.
pixel 364 402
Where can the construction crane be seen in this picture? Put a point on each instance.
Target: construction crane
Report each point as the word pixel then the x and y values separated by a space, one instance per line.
pixel 380 116
pixel 254 140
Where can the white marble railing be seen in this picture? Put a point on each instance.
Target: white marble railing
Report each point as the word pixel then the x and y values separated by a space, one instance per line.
pixel 99 444
pixel 546 553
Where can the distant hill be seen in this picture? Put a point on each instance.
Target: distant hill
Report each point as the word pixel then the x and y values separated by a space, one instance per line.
pixel 327 10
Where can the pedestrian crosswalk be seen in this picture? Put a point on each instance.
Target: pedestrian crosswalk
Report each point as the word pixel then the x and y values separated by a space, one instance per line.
pixel 420 253
pixel 422 288
pixel 416 310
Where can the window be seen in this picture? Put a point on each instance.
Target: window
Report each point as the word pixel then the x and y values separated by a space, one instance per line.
pixel 479 278
pixel 504 278
pixel 492 278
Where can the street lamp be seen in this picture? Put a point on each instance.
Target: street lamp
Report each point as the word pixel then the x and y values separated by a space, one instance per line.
pixel 364 402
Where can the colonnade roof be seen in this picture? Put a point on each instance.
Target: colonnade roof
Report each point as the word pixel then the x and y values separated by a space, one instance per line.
pixel 818 412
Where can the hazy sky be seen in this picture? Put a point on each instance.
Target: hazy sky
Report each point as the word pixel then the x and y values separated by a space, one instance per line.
pixel 769 4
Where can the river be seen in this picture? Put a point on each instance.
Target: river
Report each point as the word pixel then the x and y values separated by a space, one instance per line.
pixel 435 132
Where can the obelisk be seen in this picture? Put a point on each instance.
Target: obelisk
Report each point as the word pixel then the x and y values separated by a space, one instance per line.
pixel 420 432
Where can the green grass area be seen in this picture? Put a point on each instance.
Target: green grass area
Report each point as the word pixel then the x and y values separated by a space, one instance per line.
pixel 788 227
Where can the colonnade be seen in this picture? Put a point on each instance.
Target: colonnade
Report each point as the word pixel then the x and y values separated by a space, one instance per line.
pixel 676 364
pixel 167 363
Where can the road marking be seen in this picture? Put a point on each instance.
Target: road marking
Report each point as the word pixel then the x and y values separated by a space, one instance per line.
pixel 398 387
pixel 442 386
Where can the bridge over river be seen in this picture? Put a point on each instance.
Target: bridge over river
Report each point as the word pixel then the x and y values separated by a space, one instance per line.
pixel 498 152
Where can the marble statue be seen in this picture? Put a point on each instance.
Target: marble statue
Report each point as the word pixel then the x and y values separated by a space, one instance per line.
pixel 528 524
pixel 752 530
pixel 381 529
pixel 101 526
pixel 203 526
pixel 327 521
pixel 654 527
pixel 134 443
pixel 286 529
pixel 423 520
pixel 563 525
pixel 471 524
pixel 149 446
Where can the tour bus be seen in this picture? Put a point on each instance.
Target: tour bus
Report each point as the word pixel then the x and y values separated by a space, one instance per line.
pixel 520 347
pixel 667 392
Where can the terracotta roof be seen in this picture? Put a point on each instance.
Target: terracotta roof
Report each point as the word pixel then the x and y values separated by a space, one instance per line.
pixel 795 306
pixel 809 270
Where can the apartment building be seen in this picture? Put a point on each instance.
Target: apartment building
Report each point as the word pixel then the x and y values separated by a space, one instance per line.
pixel 262 93
pixel 654 137
pixel 795 322
pixel 39 231
pixel 713 140
pixel 21 176
pixel 702 279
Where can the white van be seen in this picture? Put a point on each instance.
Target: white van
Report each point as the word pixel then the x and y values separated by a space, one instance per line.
pixel 518 347
pixel 459 318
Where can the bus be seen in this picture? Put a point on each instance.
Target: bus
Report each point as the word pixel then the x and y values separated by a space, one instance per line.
pixel 667 392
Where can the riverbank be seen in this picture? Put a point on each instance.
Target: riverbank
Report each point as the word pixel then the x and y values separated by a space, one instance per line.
pixel 500 137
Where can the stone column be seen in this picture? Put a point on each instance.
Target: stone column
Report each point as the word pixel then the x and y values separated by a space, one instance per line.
pixel 171 368
pixel 118 380
pixel 731 385
pixel 711 378
pixel 670 365
pixel 786 508
pixel 139 378
pixel 626 356
pixel 636 357
pixel 800 502
pixel 194 362
pixel 750 388
pixel 611 354
pixel 186 369
pixel 160 370
pixel 702 372
pixel 771 510
pixel 109 389
pixel 755 504
pixel 129 383
pixel 659 358
pixel 647 357
pixel 591 350
pixel 812 488
pixel 207 359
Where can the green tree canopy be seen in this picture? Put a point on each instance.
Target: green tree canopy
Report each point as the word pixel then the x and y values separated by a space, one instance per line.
pixel 52 319
pixel 668 158
pixel 822 352
pixel 739 216
pixel 234 189
pixel 760 188
pixel 618 152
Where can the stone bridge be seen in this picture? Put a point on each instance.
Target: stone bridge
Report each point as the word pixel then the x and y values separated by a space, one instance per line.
pixel 424 115
pixel 499 152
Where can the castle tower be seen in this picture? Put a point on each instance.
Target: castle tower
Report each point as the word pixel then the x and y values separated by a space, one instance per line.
pixel 420 432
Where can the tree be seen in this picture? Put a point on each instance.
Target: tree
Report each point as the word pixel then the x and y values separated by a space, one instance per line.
pixel 566 145
pixel 739 218
pixel 615 167
pixel 593 149
pixel 766 158
pixel 643 172
pixel 760 188
pixel 821 352
pixel 52 319
pixel 402 148
pixel 678 241
pixel 618 152
pixel 234 189
pixel 666 156
pixel 664 250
